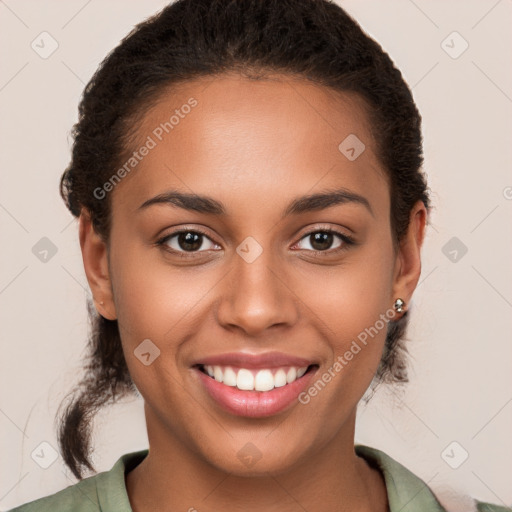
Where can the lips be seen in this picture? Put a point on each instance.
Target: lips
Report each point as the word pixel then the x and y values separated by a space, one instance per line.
pixel 255 361
pixel 254 385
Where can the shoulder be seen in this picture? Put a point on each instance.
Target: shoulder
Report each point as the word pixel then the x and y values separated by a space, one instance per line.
pixel 407 492
pixel 80 497
pixel 490 507
pixel 105 491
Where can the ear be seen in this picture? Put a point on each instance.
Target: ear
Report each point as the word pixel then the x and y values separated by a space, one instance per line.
pixel 95 258
pixel 408 259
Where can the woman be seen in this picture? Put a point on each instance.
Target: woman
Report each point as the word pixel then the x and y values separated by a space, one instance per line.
pixel 251 210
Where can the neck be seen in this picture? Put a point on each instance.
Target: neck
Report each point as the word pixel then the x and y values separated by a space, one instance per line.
pixel 174 477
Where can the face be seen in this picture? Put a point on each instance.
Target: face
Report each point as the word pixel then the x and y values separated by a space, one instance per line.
pixel 258 279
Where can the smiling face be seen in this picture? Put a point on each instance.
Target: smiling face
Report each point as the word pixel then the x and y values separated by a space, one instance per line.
pixel 252 264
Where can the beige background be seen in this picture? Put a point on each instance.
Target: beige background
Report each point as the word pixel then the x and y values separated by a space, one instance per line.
pixel 460 337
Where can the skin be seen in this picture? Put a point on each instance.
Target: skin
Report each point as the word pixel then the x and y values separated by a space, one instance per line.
pixel 254 146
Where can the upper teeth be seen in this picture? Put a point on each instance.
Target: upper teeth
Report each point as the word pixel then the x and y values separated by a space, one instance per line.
pixel 255 380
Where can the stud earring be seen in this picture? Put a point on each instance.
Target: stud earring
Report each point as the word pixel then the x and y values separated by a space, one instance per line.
pixel 399 305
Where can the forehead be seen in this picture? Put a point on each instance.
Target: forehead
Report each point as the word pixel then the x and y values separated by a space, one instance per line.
pixel 225 134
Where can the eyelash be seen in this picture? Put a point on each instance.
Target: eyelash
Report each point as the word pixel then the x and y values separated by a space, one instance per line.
pixel 346 239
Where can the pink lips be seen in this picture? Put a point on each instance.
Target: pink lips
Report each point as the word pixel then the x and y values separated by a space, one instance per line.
pixel 245 360
pixel 254 403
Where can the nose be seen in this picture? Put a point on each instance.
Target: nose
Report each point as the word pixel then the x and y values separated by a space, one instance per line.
pixel 255 296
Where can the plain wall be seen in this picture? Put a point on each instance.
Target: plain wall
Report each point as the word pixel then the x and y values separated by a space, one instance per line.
pixel 460 333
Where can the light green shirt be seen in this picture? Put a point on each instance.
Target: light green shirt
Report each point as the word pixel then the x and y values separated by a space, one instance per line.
pixel 106 491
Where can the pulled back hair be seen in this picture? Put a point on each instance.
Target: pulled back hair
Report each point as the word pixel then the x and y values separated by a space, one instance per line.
pixel 314 40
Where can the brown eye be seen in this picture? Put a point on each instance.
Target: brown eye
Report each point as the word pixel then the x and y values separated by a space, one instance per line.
pixel 189 241
pixel 322 240
pixel 186 241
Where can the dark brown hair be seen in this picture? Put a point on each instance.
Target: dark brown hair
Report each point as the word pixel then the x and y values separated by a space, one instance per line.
pixel 314 40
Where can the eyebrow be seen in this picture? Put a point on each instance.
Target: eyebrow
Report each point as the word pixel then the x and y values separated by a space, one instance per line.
pixel 308 203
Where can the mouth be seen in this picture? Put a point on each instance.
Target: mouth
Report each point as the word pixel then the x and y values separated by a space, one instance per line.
pixel 254 392
pixel 251 379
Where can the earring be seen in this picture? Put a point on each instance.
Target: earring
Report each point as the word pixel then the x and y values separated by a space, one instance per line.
pixel 399 305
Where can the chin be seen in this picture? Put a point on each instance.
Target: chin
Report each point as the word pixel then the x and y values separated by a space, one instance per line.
pixel 255 459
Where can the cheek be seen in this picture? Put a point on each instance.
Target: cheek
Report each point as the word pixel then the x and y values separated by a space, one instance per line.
pixel 352 297
pixel 165 305
pixel 155 301
pixel 353 306
pixel 152 296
